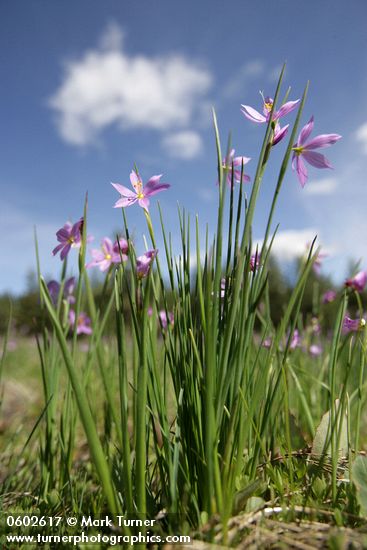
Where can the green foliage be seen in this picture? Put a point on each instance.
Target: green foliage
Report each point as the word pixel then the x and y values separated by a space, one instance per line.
pixel 322 440
pixel 359 472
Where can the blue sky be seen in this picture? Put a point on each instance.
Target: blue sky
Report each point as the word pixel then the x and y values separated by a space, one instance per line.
pixel 89 88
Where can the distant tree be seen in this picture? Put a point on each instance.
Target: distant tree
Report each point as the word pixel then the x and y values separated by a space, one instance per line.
pixel 5 304
pixel 279 290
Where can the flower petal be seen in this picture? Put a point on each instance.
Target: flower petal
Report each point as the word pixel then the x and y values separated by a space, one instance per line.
pixel 305 132
pixel 230 156
pixel 238 161
pixel 279 134
pixel 134 178
pixel 237 177
pixel 107 246
pixel 316 159
pixel 116 258
pixel 105 264
pixel 69 285
pixel 154 190
pixel 323 140
pixel 153 186
pixel 65 251
pixel 301 170
pixel 252 114
pixel 57 249
pixel 358 282
pixel 125 201
pixel 97 255
pixel 63 234
pixel 122 245
pixel 144 203
pixel 124 191
pixel 153 181
pixel 285 109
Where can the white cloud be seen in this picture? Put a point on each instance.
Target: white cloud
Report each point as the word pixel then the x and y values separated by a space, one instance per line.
pixel 207 194
pixel 325 186
pixel 107 86
pixel 291 243
pixel 183 145
pixel 361 136
pixel 250 70
pixel 253 68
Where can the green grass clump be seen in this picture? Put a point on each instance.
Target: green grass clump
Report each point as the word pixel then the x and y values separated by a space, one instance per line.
pixel 195 422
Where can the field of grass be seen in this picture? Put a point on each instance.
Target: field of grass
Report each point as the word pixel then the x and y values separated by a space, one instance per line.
pixel 200 414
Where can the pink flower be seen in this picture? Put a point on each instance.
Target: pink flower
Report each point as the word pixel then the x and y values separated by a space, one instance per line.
pixel 305 151
pixel 358 282
pixel 54 290
pixel 295 341
pixel 166 320
pixel 267 343
pixel 108 255
pixel 237 163
pixel 329 296
pixel 144 262
pixel 315 350
pixel 123 246
pixel 255 116
pixel 254 262
pixel 140 194
pixel 68 236
pixel 353 325
pixel 83 324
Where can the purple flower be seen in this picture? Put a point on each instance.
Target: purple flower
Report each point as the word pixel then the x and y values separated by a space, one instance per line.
pixel 254 262
pixel 305 151
pixel 107 256
pixel 295 341
pixel 353 325
pixel 54 290
pixel 123 246
pixel 165 321
pixel 315 350
pixel 83 325
pixel 69 235
pixel 267 343
pixel 162 315
pixel 358 282
pixel 237 163
pixel 255 116
pixel 140 194
pixel 329 296
pixel 144 262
